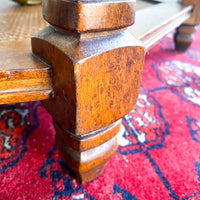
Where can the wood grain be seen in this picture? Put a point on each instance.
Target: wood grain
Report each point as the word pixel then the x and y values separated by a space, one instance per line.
pixel 90 77
pixel 86 156
pixel 89 164
pixel 96 78
pixel 89 141
pixel 22 76
pixel 24 95
pixel 84 16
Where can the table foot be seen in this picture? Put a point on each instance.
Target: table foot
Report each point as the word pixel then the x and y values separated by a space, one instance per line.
pixel 184 37
pixel 87 156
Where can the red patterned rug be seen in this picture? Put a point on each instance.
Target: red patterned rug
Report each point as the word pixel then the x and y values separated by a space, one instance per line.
pixel 159 153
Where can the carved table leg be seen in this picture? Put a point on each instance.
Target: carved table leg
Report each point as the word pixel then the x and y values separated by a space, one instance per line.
pixel 87 156
pixel 184 34
pixel 96 71
pixel 184 37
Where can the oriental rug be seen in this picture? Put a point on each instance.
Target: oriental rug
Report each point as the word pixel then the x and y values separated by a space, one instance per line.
pixel 159 152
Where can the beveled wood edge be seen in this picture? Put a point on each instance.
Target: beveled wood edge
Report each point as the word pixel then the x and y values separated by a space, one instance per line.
pixel 152 36
pixel 89 164
pixel 23 76
pixel 77 15
pixel 21 88
pixel 27 91
pixel 34 94
pixel 89 141
pixel 166 28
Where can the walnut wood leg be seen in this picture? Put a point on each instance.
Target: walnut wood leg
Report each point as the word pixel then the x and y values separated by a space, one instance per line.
pixel 90 95
pixel 184 37
pixel 86 156
pixel 96 73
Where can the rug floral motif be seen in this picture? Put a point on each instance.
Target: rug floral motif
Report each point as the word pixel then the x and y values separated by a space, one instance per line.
pixel 159 152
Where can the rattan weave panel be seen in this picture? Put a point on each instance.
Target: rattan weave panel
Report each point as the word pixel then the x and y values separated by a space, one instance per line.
pixel 19 22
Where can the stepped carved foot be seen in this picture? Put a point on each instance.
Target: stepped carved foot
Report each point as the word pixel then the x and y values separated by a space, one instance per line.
pixel 96 73
pixel 184 37
pixel 87 155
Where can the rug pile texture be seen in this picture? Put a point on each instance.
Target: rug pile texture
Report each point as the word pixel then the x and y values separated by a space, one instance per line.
pixel 159 152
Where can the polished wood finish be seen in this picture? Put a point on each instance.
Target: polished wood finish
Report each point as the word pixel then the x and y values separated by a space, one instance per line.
pixel 87 165
pixel 107 89
pixel 86 156
pixel 24 77
pixel 89 16
pixel 89 141
pixel 90 71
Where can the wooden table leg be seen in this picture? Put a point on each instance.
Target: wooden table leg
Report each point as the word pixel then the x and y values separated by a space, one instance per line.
pixel 184 37
pixel 87 156
pixel 184 34
pixel 96 69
